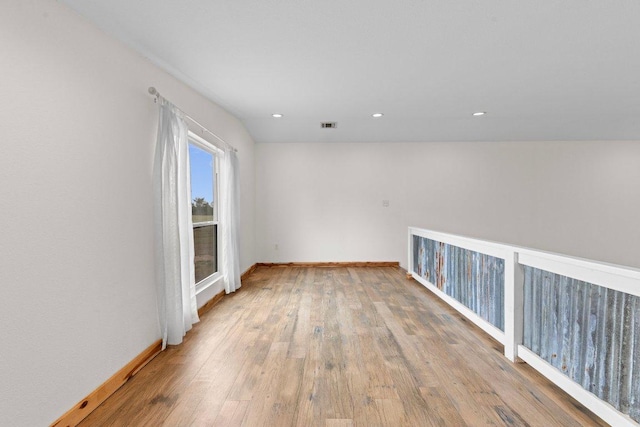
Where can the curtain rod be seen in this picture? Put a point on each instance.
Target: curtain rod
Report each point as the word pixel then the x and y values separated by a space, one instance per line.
pixel 154 92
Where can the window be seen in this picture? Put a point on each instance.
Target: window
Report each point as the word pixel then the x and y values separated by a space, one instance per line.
pixel 203 164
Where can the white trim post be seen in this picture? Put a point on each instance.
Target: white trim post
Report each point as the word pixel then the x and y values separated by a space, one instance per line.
pixel 513 305
pixel 410 250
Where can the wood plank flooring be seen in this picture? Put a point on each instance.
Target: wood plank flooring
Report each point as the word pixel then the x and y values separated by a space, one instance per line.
pixel 337 347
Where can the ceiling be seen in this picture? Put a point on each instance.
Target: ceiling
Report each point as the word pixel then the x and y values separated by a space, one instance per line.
pixel 542 70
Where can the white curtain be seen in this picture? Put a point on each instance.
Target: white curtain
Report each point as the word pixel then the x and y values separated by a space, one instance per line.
pixel 177 307
pixel 230 220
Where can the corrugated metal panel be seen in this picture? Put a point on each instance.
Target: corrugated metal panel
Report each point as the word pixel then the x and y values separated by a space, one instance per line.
pixel 590 333
pixel 472 278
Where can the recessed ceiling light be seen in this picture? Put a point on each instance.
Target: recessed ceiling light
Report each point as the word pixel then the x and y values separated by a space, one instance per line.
pixel 377 115
pixel 276 115
pixel 480 113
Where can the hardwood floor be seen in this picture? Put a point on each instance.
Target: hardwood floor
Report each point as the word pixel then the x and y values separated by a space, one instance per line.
pixel 337 347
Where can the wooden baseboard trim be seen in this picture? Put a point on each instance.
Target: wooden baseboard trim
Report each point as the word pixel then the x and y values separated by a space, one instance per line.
pixel 83 408
pixel 213 301
pixel 216 298
pixel 331 264
pixel 249 272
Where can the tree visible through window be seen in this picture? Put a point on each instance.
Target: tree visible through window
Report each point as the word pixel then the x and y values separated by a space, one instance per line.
pixel 204 209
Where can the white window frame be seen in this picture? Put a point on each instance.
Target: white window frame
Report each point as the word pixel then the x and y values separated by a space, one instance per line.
pixel 205 145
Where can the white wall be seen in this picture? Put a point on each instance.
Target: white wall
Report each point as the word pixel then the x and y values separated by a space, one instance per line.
pixel 323 202
pixel 76 241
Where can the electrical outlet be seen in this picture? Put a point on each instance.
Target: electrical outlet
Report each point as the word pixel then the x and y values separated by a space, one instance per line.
pixel 275 246
pixel 385 203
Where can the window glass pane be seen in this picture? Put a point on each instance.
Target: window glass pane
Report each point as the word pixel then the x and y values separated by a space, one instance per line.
pixel 206 257
pixel 202 184
pixel 203 211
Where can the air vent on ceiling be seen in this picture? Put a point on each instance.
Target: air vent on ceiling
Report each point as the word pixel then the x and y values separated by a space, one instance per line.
pixel 328 125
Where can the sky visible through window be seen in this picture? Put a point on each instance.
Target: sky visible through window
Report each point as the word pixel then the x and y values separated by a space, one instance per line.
pixel 201 173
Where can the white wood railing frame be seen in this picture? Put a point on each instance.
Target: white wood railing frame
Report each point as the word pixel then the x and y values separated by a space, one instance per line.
pixel 616 277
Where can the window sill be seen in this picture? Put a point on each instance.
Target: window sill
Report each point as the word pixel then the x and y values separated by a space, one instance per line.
pixel 208 282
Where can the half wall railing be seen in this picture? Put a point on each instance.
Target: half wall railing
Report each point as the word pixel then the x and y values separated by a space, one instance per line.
pixel 575 321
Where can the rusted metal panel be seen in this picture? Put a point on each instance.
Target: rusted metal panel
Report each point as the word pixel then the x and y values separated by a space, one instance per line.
pixel 472 278
pixel 588 332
